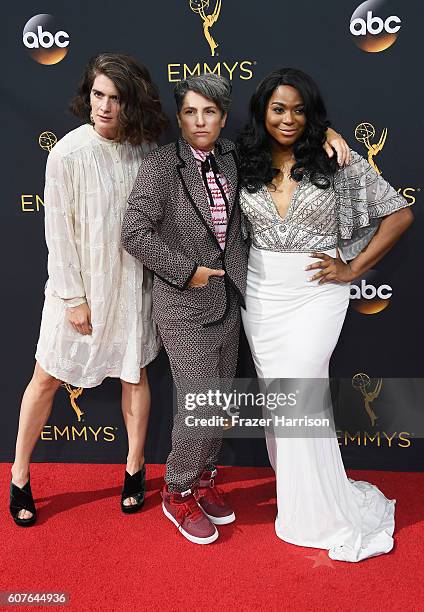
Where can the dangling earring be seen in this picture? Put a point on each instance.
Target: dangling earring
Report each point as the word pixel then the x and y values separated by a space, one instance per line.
pixel 92 118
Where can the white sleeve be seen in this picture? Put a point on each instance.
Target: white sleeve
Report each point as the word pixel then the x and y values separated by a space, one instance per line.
pixel 63 265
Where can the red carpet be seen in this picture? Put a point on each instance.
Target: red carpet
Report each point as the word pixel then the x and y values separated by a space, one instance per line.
pixel 84 546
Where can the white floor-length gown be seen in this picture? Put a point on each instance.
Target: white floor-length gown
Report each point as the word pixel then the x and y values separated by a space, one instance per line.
pixel 292 327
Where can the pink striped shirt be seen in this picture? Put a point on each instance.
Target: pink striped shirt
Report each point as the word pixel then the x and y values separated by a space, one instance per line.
pixel 218 211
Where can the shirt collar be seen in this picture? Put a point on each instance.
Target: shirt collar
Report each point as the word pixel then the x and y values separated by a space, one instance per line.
pixel 200 155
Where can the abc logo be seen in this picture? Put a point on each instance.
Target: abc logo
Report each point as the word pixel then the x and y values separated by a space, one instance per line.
pixel 374 26
pixel 45 43
pixel 368 295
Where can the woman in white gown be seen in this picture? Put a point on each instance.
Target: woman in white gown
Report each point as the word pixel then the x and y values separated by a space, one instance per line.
pixel 96 320
pixel 298 204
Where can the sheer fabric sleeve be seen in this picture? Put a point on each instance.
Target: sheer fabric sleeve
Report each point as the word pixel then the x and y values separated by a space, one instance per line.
pixel 363 199
pixel 63 265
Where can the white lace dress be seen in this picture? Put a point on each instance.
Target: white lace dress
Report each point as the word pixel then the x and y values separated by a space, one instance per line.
pixel 88 181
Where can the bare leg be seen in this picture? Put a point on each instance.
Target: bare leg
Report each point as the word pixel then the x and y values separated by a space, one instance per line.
pixel 135 410
pixel 36 407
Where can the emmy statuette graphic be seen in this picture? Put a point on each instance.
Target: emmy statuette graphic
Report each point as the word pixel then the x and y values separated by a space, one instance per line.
pixel 364 132
pixel 74 393
pixel 199 7
pixel 47 140
pixel 361 382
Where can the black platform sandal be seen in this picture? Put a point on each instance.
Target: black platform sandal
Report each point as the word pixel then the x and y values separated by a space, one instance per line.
pixel 135 487
pixel 21 499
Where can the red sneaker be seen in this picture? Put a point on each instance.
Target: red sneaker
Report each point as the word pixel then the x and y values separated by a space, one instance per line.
pixel 212 502
pixel 183 511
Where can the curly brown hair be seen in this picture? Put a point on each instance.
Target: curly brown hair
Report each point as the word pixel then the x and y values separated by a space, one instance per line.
pixel 141 118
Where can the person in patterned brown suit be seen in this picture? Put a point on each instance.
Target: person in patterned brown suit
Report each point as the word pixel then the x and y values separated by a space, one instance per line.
pixel 183 222
pixel 199 260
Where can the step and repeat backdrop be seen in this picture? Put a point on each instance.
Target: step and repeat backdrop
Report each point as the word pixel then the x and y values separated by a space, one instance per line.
pixel 364 57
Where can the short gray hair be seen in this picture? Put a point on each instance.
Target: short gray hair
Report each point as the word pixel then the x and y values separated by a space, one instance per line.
pixel 211 86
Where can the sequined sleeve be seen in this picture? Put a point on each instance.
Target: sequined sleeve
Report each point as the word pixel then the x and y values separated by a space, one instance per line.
pixel 363 199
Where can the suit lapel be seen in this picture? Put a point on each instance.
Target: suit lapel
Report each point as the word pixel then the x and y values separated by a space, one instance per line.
pixel 227 166
pixel 193 183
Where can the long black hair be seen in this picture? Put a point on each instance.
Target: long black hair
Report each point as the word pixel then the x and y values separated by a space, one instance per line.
pixel 254 142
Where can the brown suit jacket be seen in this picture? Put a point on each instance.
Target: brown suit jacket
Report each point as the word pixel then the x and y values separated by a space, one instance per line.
pixel 168 227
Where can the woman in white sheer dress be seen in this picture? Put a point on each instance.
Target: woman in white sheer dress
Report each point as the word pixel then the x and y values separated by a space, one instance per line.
pixel 299 204
pixel 96 320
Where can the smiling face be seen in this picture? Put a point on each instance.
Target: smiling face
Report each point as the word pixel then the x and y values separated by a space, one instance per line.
pixel 105 106
pixel 285 119
pixel 201 121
